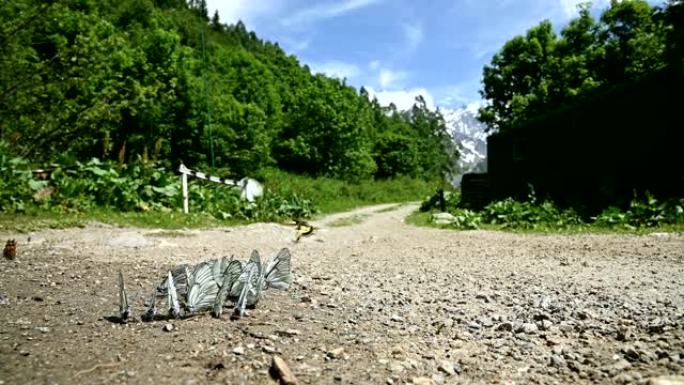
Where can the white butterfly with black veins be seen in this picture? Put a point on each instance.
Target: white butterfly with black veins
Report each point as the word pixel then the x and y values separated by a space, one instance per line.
pixel 278 274
pixel 231 275
pixel 256 278
pixel 249 285
pixel 174 305
pixel 125 311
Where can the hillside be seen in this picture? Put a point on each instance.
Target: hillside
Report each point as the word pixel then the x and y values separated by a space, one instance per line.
pixel 131 80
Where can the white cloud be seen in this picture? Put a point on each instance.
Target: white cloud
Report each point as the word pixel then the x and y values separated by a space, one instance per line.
pixel 294 45
pixel 389 78
pixel 413 34
pixel 403 99
pixel 327 10
pixel 373 65
pixel 336 69
pixel 570 8
pixel 246 10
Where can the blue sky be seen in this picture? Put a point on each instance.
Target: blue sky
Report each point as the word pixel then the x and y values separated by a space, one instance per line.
pixel 398 48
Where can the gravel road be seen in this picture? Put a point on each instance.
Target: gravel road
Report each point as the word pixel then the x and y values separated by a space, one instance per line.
pixel 375 301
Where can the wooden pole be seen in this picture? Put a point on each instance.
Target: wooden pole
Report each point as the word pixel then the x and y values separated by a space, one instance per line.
pixel 184 182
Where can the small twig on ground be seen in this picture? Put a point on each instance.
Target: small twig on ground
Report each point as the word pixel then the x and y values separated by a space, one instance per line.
pixel 98 366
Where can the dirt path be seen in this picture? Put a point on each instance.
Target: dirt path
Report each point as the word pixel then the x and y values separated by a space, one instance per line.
pixel 375 301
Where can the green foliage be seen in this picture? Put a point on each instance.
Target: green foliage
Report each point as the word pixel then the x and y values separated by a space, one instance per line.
pixel 540 71
pixel 528 215
pixel 157 80
pixel 645 212
pixel 334 195
pixel 465 219
pixel 533 215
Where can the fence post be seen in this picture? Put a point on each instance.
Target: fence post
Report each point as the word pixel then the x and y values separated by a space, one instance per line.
pixel 184 183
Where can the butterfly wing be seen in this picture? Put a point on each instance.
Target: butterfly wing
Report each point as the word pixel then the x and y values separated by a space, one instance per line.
pixel 202 294
pixel 174 306
pixel 179 279
pixel 152 309
pixel 124 305
pixel 278 273
pixel 247 282
pixel 231 276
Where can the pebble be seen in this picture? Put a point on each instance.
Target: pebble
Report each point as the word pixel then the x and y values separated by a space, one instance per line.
pixel 666 380
pixel 527 328
pixel 336 353
pixel 422 381
pixel 446 367
pixel 239 350
pixel 282 372
pixel 168 327
pixel 557 361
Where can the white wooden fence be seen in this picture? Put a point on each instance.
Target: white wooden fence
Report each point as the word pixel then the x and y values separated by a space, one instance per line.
pixel 250 188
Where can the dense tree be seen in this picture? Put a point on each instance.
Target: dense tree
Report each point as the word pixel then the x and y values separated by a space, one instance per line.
pixel 540 71
pixel 156 79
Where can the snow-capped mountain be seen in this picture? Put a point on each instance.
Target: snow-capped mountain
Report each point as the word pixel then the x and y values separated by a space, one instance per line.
pixel 470 137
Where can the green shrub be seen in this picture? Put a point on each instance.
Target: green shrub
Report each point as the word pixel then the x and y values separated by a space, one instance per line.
pixel 645 212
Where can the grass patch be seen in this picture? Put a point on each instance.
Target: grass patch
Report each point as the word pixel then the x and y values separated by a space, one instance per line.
pixel 332 195
pixel 54 219
pixel 327 195
pixel 424 219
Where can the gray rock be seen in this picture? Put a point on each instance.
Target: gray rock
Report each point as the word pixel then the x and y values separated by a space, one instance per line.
pixel 239 350
pixel 443 218
pixel 557 361
pixel 336 353
pixel 446 367
pixel 666 380
pixel 527 328
pixel 505 327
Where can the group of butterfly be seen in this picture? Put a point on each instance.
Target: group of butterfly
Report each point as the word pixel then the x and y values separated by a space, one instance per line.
pixel 210 285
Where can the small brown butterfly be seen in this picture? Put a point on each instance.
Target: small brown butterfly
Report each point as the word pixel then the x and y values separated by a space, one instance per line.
pixel 10 250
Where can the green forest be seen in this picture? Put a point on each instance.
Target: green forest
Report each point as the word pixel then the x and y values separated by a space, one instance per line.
pixel 543 70
pixel 161 80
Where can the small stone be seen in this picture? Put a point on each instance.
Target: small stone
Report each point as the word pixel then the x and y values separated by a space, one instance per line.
pixel 483 297
pixel 585 314
pixel 167 327
pixel 282 372
pixel 24 353
pixel 623 378
pixel 4 300
pixel 527 328
pixel 446 367
pixel 269 349
pixel 667 380
pixel 396 318
pixel 422 381
pixel 288 332
pixel 239 350
pixel 630 353
pixel 557 361
pixel 43 329
pixel 336 353
pixel 438 378
pixel 505 327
